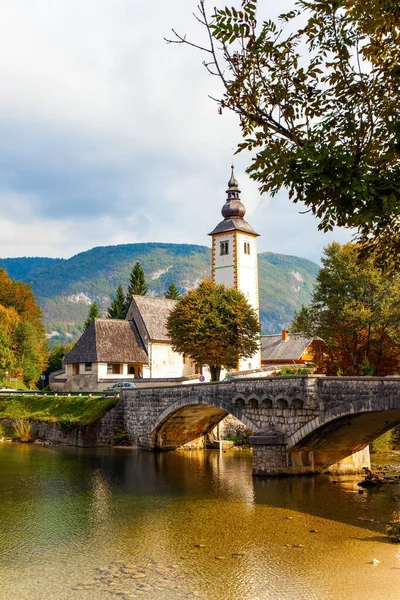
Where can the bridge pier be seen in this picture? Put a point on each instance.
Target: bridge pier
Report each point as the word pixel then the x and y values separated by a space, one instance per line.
pixel 271 458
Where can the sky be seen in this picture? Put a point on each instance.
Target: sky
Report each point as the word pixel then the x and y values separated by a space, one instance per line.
pixel 108 136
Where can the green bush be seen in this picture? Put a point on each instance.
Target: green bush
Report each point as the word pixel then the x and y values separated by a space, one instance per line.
pixel 120 437
pixel 240 438
pixel 287 371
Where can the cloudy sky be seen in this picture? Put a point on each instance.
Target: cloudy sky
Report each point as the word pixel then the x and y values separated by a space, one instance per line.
pixel 107 134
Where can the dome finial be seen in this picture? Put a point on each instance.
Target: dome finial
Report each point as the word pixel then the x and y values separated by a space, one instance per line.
pixel 233 182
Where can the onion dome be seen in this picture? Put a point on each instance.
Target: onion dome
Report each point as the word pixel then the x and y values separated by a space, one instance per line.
pixel 233 211
pixel 233 208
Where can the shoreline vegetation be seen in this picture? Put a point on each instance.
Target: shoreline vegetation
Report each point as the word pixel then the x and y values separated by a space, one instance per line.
pixel 65 411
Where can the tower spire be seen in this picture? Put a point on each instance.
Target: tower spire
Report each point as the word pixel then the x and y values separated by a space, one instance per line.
pixel 233 208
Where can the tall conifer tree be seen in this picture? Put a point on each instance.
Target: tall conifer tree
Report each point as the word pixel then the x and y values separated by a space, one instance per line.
pixel 117 308
pixel 172 292
pixel 137 284
pixel 94 312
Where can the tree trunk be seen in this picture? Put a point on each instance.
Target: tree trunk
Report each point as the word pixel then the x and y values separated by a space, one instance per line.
pixel 215 371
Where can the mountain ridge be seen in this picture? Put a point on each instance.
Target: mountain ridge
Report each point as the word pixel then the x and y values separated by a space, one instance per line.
pixel 66 287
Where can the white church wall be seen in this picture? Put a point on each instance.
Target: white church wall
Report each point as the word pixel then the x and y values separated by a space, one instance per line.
pixel 167 363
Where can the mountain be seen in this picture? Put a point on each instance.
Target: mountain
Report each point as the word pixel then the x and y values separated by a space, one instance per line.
pixel 65 288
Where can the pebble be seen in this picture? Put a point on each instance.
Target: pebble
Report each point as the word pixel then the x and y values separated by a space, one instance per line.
pixel 313 531
pixel 297 546
pixel 220 557
pixel 375 561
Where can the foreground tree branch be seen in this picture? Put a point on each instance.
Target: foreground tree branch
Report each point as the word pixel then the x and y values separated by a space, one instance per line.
pixel 319 104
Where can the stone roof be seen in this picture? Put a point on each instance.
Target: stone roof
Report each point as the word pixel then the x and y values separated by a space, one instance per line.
pixel 110 341
pixel 233 224
pixel 155 312
pixel 273 347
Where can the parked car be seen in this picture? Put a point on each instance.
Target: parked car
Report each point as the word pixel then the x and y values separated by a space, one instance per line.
pixel 114 390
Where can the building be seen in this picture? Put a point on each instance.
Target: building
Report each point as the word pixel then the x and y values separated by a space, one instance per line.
pixel 286 348
pixel 139 348
pixel 150 317
pixel 111 350
pixel 234 256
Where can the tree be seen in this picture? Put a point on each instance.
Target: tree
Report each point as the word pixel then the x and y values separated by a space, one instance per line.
pixel 137 284
pixel 94 313
pixel 172 292
pixel 23 348
pixel 355 309
pixel 318 97
pixel 214 325
pixel 117 308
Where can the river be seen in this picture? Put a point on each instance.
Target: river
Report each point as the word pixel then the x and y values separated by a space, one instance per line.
pixel 126 524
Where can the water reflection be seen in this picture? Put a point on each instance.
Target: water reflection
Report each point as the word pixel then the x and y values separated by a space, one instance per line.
pixel 184 525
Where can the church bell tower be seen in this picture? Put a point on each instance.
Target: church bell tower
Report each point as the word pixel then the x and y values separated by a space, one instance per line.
pixel 234 256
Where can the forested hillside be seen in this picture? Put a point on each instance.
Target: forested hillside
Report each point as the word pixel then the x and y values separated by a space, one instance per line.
pixel 66 288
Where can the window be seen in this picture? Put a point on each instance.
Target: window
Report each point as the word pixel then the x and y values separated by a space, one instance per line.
pixel 75 369
pixel 88 367
pixel 224 248
pixel 113 369
pixel 247 247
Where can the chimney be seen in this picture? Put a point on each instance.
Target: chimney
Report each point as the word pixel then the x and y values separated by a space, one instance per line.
pixel 285 335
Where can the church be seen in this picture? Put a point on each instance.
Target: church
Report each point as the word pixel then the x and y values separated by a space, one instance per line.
pixel 138 347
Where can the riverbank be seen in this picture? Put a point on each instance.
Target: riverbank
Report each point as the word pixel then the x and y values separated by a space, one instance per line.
pixel 70 420
pixel 53 409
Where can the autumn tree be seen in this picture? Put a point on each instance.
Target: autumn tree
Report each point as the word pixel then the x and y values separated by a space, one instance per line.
pixel 355 310
pixel 172 292
pixel 94 313
pixel 317 93
pixel 23 349
pixel 117 308
pixel 215 326
pixel 9 321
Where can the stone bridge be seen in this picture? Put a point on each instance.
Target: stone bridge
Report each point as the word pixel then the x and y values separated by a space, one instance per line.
pixel 305 424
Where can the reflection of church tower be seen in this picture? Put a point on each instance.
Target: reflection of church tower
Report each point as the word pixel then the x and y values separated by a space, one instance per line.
pixel 234 255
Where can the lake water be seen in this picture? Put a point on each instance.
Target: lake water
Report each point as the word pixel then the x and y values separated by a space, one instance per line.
pixel 125 524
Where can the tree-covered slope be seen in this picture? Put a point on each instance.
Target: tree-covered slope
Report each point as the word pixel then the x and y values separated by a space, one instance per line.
pixel 66 288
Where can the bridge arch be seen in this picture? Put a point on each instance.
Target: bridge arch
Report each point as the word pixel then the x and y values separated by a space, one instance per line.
pixel 325 442
pixel 184 421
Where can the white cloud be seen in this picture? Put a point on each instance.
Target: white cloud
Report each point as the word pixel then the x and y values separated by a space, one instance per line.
pixel 107 134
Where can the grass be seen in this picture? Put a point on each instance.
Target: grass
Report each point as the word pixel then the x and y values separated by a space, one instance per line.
pixel 22 430
pixel 65 410
pixel 15 385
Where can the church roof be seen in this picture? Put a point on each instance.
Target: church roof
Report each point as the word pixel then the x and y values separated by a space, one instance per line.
pixel 110 341
pixel 154 313
pixel 273 347
pixel 233 224
pixel 233 211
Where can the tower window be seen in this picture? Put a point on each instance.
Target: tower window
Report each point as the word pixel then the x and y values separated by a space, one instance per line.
pixel 224 248
pixel 247 247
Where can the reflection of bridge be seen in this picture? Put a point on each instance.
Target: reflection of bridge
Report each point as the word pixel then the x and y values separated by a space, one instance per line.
pixel 300 424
